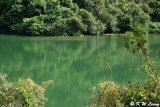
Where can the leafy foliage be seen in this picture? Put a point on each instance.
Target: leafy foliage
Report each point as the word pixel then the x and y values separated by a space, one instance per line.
pixel 108 94
pixel 155 6
pixel 32 26
pixel 23 93
pixel 137 43
pixel 154 27
pixel 93 26
pixel 104 16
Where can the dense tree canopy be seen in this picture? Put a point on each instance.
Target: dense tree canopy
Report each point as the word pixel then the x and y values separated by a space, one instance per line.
pixel 76 17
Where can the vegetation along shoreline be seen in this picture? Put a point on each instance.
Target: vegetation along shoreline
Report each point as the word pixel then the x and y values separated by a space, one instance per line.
pixel 75 18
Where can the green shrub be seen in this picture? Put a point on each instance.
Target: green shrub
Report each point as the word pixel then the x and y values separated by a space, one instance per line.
pixel 13 16
pixel 145 7
pixel 66 3
pixel 155 6
pixel 154 27
pixel 66 12
pixel 108 94
pixel 57 28
pixel 131 13
pixel 75 26
pixel 111 18
pixel 52 6
pixel 23 93
pixel 32 26
pixel 94 27
pixel 16 28
pixel 72 26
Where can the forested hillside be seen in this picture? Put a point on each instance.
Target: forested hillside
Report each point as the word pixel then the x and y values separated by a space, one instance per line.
pixel 77 17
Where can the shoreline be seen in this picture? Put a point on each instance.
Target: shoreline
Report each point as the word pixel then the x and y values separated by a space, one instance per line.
pixel 80 36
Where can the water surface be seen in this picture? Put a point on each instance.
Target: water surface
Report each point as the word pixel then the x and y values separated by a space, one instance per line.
pixel 75 64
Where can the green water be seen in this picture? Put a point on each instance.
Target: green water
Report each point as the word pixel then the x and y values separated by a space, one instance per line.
pixel 75 64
